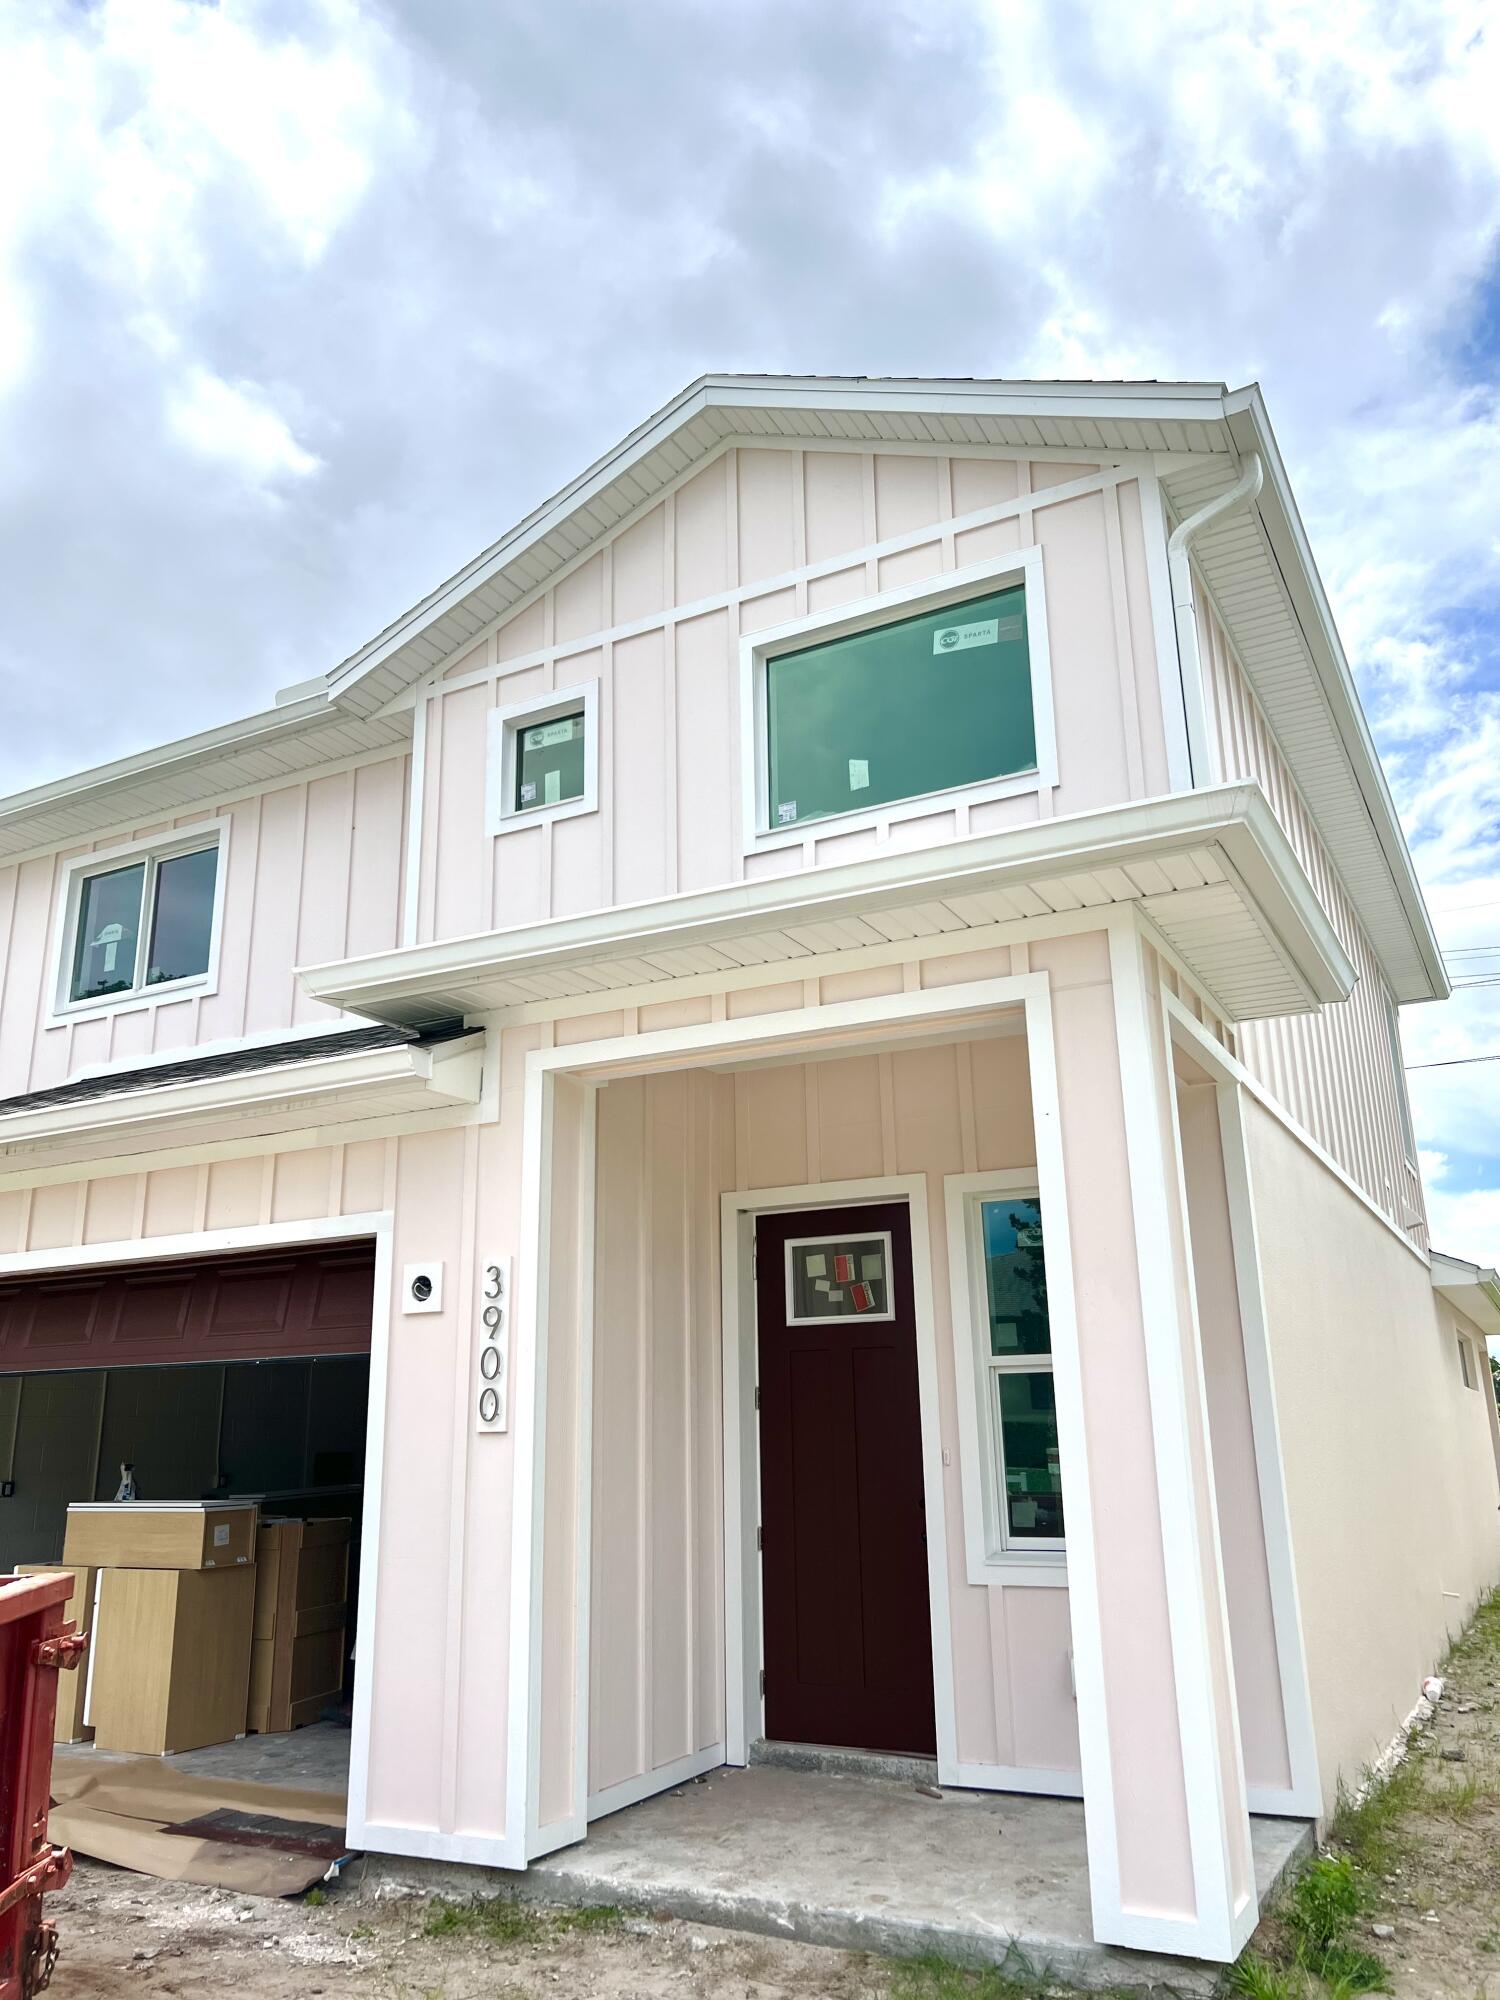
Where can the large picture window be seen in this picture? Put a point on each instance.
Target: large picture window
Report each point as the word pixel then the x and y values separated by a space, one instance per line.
pixel 929 703
pixel 142 919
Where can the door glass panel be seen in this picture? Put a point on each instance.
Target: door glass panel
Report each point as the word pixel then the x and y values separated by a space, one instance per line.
pixel 1015 1278
pixel 549 762
pixel 1028 1433
pixel 109 927
pixel 184 919
pixel 916 706
pixel 839 1277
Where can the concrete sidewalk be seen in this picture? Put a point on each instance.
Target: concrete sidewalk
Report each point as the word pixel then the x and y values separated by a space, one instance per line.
pixel 869 1864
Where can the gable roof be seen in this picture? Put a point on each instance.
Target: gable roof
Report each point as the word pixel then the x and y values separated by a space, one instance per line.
pixel 1257 564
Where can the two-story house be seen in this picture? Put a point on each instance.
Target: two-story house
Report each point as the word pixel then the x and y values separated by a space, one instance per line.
pixel 790 1087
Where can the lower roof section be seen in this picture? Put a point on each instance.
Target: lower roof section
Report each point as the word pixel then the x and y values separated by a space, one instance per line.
pixel 243 1093
pixel 1212 870
pixel 1473 1289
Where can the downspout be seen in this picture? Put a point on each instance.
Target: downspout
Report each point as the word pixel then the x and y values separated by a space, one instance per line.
pixel 1201 760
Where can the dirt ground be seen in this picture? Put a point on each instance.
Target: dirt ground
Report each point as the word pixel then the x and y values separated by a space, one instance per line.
pixel 125 1935
pixel 1425 1842
pixel 1429 1844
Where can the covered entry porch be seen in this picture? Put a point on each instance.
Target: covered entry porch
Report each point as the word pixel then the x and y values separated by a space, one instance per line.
pixel 786 1471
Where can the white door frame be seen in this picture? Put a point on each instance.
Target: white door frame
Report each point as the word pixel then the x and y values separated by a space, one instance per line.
pixel 744 1649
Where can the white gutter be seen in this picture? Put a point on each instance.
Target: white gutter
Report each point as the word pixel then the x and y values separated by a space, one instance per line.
pixel 1245 489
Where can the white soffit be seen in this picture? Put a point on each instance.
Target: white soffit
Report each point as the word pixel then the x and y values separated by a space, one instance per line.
pixel 1212 870
pixel 1470 1288
pixel 332 1090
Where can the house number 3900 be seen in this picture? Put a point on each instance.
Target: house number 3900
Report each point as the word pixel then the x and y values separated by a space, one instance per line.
pixel 492 1350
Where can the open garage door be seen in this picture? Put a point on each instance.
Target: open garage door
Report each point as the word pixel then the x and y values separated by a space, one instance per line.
pixel 242 1376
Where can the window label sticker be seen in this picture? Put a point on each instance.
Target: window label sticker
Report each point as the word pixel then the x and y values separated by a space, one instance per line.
pixel 843 1268
pixel 859 773
pixel 528 794
pixel 862 1297
pixel 816 1264
pixel 546 735
pixel 551 788
pixel 786 812
pixel 959 638
pixel 870 1265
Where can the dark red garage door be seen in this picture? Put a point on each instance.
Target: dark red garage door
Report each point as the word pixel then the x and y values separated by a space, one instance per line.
pixel 249 1308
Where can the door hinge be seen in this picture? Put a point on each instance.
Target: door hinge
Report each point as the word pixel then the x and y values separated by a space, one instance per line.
pixel 760 1538
pixel 757 1395
pixel 762 1680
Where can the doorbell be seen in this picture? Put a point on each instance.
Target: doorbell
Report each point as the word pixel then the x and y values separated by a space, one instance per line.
pixel 422 1288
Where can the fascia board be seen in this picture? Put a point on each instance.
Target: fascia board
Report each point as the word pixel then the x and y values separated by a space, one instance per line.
pixel 1186 402
pixel 1238 817
pixel 187 751
pixel 1250 426
pixel 167 1106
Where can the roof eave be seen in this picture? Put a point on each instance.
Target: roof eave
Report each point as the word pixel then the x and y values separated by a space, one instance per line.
pixel 1250 425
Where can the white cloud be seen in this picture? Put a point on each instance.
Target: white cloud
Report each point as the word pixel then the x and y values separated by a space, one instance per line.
pixel 235 422
pixel 405 265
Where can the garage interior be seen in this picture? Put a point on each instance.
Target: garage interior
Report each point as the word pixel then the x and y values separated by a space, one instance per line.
pixel 215 1379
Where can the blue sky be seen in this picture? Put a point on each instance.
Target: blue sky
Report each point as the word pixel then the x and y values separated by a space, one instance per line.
pixel 303 301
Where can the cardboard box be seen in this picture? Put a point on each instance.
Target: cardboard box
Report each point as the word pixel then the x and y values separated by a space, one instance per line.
pixel 171 1658
pixel 162 1534
pixel 301 1612
pixel 72 1683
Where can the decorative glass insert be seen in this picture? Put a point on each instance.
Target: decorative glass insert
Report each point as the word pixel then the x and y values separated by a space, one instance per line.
pixel 918 705
pixel 550 762
pixel 1022 1404
pixel 838 1277
pixel 147 923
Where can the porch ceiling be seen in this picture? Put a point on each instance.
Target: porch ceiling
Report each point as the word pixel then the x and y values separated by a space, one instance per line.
pixel 1212 870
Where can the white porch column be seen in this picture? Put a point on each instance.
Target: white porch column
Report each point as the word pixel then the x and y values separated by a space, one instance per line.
pixel 1170 1862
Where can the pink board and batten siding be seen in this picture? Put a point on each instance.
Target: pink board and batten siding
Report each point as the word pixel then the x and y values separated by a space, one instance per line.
pixel 656 613
pixel 314 873
pixel 1331 1070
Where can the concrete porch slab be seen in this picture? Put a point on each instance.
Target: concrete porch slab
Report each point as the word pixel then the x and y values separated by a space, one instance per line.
pixel 868 1864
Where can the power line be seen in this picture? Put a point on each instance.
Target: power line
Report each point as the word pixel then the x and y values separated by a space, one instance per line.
pixel 1455 1062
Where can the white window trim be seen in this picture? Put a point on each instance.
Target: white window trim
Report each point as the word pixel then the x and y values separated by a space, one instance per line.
pixel 153 848
pixel 990 1559
pixel 1022 566
pixel 502 815
pixel 881 1236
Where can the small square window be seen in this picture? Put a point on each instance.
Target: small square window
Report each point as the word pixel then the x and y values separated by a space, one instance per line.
pixel 543 758
pixel 549 762
pixel 140 923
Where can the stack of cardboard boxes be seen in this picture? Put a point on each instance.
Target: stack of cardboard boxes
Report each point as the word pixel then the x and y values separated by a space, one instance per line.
pixel 169 1667
pixel 204 1621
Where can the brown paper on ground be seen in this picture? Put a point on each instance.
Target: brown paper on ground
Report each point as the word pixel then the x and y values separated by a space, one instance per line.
pixel 119 1813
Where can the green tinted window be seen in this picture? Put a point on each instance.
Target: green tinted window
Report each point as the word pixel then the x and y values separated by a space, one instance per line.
pixel 549 762
pixel 1028 1441
pixel 918 706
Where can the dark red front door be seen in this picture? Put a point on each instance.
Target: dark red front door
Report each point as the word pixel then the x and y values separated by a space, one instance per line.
pixel 848 1642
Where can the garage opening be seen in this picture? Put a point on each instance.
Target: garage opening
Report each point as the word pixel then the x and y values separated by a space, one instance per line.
pixel 218 1380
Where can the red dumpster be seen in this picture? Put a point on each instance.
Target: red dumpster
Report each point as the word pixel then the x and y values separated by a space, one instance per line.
pixel 35 1641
